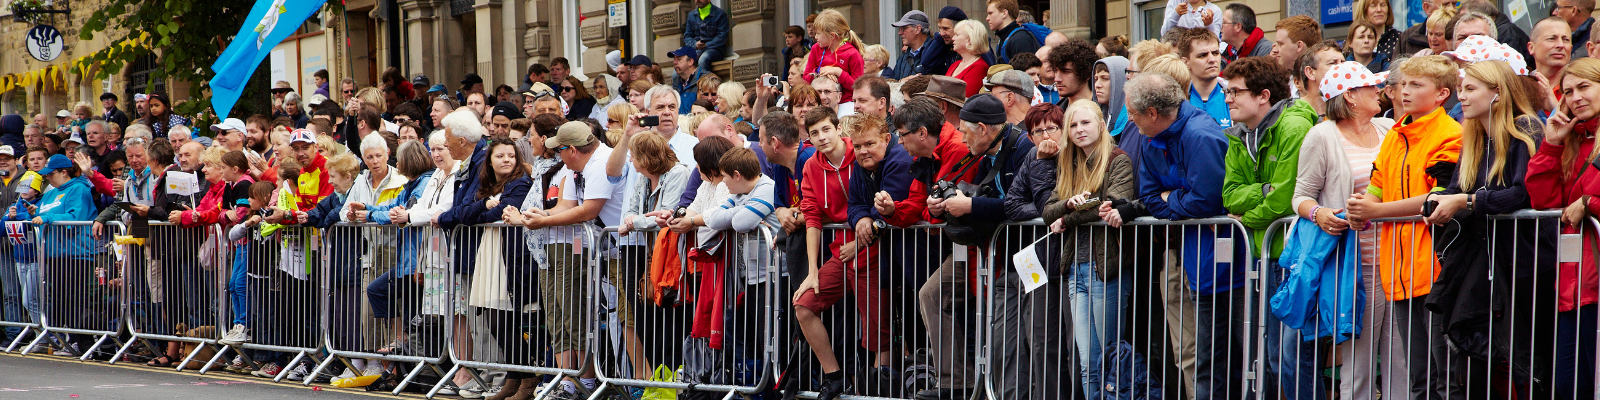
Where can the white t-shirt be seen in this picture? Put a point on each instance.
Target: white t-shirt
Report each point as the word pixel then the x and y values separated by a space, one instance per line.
pixel 597 185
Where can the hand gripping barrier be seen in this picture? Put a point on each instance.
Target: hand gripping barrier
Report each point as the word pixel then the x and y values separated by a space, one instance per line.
pixel 1154 306
pixel 82 278
pixel 385 288
pixel 172 293
pixel 707 315
pixel 524 292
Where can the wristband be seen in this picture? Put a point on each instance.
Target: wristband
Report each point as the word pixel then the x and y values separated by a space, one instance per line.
pixel 1314 210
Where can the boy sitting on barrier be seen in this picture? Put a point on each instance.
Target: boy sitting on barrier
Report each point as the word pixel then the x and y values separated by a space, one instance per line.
pixel 1417 155
pixel 880 191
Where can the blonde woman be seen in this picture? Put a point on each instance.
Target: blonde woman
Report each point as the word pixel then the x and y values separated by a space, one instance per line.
pixel 617 115
pixel 1378 14
pixel 730 100
pixel 875 60
pixel 1092 167
pixel 971 42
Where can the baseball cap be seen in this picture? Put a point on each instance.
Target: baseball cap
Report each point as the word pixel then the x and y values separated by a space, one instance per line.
pixel 230 124
pixel 437 88
pixel 913 17
pixel 302 136
pixel 56 162
pixel 506 109
pixel 684 51
pixel 30 181
pixel 1482 48
pixel 63 114
pixel 984 108
pixel 471 79
pixel 1016 81
pixel 639 59
pixel 7 150
pixel 140 97
pixel 75 138
pixel 573 134
pixel 420 81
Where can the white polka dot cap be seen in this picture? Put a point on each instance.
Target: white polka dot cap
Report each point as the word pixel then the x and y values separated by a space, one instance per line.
pixel 1481 48
pixel 1348 75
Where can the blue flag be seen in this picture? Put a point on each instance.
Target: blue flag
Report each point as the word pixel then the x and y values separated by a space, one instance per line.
pixel 269 22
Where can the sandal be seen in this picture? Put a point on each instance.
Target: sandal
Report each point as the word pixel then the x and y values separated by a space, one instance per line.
pixel 160 362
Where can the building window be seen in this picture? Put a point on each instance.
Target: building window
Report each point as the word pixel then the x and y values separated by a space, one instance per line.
pixel 139 77
pixel 1147 18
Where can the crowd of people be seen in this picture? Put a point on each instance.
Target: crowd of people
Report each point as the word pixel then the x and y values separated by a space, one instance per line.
pixel 976 122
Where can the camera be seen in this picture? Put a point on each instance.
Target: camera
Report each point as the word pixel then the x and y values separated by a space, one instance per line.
pixel 769 81
pixel 650 120
pixel 943 190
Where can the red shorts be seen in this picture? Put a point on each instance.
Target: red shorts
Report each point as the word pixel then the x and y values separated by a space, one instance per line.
pixel 862 275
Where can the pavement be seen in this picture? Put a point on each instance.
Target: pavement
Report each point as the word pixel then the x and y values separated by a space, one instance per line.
pixel 49 377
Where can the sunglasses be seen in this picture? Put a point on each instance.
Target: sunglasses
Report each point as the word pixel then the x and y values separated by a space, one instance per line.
pixel 562 148
pixel 349 92
pixel 565 89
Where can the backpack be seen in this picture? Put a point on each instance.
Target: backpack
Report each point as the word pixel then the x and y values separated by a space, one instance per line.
pixel 1039 33
pixel 1123 374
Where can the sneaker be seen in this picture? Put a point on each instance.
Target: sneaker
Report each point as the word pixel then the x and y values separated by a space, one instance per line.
pixel 70 350
pixel 373 368
pixel 299 372
pixel 236 336
pixel 471 390
pixel 238 366
pixel 270 370
pixel 348 373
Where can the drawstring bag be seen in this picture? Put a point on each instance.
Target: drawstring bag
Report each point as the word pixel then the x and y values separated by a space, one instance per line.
pixel 662 374
pixel 489 277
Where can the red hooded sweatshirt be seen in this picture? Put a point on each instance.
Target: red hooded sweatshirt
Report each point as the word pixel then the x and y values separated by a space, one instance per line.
pixel 825 189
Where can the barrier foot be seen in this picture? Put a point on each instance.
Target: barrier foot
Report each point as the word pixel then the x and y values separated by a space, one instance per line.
pixel 443 380
pixel 124 349
pixel 599 391
pixel 14 342
pixel 319 368
pixel 409 377
pixel 93 348
pixel 35 343
pixel 283 372
pixel 220 352
pixel 555 384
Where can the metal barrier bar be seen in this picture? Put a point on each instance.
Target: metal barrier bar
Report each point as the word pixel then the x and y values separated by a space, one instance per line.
pixel 677 327
pixel 866 317
pixel 384 287
pixel 168 299
pixel 22 271
pixel 272 291
pixel 528 290
pixel 80 279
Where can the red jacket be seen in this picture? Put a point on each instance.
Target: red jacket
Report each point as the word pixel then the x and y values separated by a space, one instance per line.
pixel 847 58
pixel 1547 189
pixel 212 205
pixel 973 75
pixel 951 150
pixel 314 183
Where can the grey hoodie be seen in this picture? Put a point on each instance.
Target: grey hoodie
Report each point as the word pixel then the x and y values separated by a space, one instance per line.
pixel 1252 137
pixel 1118 67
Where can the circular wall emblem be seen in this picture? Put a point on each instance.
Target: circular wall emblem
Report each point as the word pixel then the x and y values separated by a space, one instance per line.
pixel 44 42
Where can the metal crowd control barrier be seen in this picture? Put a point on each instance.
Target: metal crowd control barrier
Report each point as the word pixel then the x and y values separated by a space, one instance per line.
pixel 81 277
pixel 386 300
pixel 868 317
pixel 276 295
pixel 25 293
pixel 717 326
pixel 171 295
pixel 1133 298
pixel 531 291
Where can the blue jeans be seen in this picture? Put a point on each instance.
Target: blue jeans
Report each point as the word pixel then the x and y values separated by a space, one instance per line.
pixel 10 294
pixel 708 56
pixel 28 276
pixel 1222 328
pixel 1575 353
pixel 238 284
pixel 1292 361
pixel 1096 308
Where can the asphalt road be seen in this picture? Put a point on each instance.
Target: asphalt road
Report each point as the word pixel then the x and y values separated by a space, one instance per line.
pixel 50 377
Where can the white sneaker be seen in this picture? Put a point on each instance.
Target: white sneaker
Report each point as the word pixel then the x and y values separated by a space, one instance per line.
pixel 236 336
pixel 471 390
pixel 299 373
pixel 373 368
pixel 70 350
pixel 348 373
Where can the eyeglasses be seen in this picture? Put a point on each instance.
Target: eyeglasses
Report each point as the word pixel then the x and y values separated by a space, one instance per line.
pixel 399 120
pixel 828 92
pixel 1044 131
pixel 1235 92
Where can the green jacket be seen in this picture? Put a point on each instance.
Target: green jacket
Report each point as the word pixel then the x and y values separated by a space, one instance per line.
pixel 1262 165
